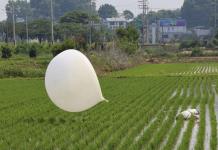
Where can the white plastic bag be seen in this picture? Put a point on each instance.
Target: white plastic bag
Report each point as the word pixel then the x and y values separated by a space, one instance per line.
pixel 71 82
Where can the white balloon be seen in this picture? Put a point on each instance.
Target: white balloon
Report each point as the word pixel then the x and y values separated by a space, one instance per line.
pixel 71 82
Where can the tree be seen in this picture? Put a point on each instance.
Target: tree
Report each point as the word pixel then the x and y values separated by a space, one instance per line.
pixel 40 29
pixel 6 51
pixel 41 8
pixel 107 11
pixel 21 10
pixel 153 16
pixel 130 33
pixel 75 17
pixel 128 39
pixel 128 14
pixel 198 12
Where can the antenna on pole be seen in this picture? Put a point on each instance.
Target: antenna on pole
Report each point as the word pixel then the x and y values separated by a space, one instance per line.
pixel 52 23
pixel 143 4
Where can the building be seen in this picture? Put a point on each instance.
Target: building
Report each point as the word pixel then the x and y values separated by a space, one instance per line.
pixel 171 29
pixel 201 32
pixel 115 23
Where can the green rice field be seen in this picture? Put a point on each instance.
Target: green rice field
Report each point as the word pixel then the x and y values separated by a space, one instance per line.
pixel 140 115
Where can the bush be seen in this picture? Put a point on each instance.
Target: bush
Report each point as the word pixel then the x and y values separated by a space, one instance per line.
pixel 56 49
pixel 22 49
pixel 6 51
pixel 128 47
pixel 189 44
pixel 67 44
pixel 158 52
pixel 33 51
pixel 197 53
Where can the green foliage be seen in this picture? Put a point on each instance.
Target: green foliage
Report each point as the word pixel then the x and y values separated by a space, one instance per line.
pixel 128 47
pixel 23 67
pixel 33 51
pixel 40 29
pixel 128 14
pixel 21 48
pixel 141 113
pixel 198 12
pixel 107 11
pixel 56 49
pixel 41 8
pixel 157 52
pixel 189 44
pixel 67 44
pixel 6 51
pixel 75 17
pixel 128 39
pixel 130 34
pixel 168 69
pixel 21 9
pixel 153 16
pixel 196 52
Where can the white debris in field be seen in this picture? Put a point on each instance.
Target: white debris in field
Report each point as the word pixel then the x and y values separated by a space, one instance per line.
pixel 187 114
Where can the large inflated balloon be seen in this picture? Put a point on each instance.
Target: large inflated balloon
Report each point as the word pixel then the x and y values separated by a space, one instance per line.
pixel 71 82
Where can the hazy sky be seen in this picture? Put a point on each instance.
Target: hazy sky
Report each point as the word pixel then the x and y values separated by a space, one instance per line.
pixel 122 5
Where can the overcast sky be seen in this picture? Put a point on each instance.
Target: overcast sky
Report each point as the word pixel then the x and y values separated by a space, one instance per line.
pixel 121 5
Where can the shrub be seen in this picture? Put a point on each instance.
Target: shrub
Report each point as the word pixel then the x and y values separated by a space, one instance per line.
pixel 67 44
pixel 56 49
pixel 197 53
pixel 6 51
pixel 128 47
pixel 189 44
pixel 33 51
pixel 22 49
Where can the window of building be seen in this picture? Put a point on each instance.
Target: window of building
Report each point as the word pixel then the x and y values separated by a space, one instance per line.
pixel 112 23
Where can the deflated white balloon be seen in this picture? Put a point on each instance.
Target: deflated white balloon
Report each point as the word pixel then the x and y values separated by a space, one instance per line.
pixel 71 82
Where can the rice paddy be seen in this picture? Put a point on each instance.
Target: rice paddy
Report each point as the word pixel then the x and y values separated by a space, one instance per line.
pixel 141 113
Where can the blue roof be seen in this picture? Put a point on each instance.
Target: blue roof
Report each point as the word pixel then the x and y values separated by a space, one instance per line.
pixel 172 22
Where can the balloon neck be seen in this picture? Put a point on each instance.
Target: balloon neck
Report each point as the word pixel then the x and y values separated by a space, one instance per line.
pixel 105 100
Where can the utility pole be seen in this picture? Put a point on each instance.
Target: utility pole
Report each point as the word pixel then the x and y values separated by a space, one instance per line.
pixel 143 4
pixel 52 23
pixel 215 15
pixel 14 27
pixel 92 3
pixel 27 29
